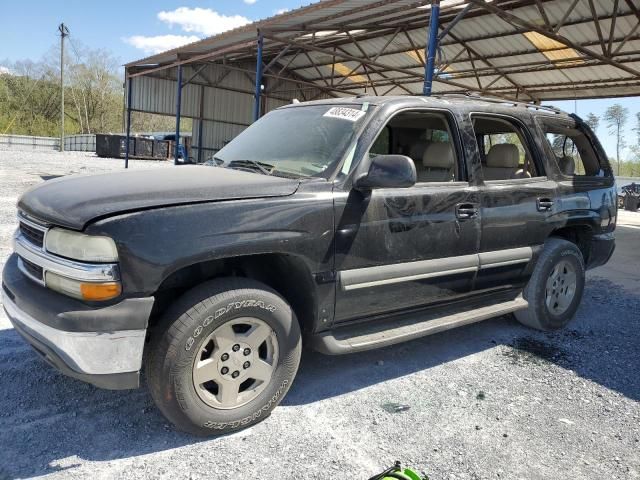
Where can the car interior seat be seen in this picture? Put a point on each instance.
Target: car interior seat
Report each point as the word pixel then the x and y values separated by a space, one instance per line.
pixel 416 152
pixel 502 162
pixel 567 165
pixel 437 163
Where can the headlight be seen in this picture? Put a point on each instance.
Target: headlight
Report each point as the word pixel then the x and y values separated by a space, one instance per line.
pixel 78 246
pixel 82 290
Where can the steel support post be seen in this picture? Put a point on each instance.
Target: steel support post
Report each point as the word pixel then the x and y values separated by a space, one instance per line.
pixel 178 108
pixel 200 124
pixel 258 92
pixel 128 135
pixel 432 45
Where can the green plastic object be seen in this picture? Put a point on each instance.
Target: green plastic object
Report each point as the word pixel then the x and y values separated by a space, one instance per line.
pixel 404 474
pixel 398 473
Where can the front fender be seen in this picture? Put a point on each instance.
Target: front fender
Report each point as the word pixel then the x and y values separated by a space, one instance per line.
pixel 155 243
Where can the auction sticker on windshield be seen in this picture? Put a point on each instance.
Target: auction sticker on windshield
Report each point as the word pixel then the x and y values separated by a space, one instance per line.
pixel 345 113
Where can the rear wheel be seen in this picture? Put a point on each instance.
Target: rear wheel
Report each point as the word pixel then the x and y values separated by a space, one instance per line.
pixel 224 356
pixel 555 288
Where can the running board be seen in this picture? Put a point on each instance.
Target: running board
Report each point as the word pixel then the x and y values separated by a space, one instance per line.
pixel 366 336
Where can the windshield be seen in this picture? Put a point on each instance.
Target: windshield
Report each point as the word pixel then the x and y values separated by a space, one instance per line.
pixel 302 141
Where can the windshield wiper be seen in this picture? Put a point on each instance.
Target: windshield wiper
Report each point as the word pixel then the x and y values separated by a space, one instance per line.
pixel 260 166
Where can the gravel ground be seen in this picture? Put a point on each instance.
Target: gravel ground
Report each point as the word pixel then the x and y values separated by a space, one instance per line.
pixel 491 400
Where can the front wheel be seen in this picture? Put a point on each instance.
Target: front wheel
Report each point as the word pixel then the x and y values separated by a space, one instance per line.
pixel 555 288
pixel 224 356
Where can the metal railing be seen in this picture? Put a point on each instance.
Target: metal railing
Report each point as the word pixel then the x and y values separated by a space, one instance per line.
pixel 77 143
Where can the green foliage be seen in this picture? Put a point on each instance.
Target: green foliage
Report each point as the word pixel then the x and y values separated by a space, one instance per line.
pixel 93 94
pixel 30 95
pixel 616 117
pixel 636 129
pixel 593 121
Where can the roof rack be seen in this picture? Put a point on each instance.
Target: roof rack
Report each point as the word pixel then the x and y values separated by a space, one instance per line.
pixel 502 101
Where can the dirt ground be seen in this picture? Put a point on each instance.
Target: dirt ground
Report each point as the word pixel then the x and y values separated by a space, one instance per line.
pixel 624 269
pixel 487 401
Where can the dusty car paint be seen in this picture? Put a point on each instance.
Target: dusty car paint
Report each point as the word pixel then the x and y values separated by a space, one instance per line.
pixel 342 240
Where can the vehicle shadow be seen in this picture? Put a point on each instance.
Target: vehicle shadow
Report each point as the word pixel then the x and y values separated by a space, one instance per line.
pixel 61 422
pixel 601 345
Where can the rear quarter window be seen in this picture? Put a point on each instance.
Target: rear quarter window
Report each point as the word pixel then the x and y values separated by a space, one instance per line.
pixel 572 149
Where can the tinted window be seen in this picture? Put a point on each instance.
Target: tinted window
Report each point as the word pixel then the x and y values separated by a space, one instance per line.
pixel 382 145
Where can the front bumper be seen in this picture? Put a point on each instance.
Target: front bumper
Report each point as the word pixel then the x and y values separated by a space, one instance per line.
pixel 99 345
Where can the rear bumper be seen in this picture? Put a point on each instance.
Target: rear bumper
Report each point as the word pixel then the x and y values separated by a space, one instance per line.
pixel 602 247
pixel 77 339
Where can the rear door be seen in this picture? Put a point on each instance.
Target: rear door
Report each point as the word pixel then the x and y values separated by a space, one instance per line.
pixel 517 199
pixel 409 247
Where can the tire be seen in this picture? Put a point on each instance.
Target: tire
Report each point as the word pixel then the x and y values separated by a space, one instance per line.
pixel 550 308
pixel 631 203
pixel 186 356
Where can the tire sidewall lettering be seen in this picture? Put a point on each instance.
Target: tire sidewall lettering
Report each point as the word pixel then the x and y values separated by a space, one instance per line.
pixel 232 306
pixel 251 418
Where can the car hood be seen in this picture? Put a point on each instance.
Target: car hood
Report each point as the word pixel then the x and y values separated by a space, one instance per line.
pixel 75 201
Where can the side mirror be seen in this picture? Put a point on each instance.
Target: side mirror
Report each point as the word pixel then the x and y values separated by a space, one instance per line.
pixel 387 171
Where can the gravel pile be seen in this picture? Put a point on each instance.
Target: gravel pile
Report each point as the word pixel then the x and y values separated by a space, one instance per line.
pixel 491 400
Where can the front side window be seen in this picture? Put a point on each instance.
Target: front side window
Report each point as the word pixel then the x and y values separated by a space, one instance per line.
pixel 305 141
pixel 504 151
pixel 426 138
pixel 572 150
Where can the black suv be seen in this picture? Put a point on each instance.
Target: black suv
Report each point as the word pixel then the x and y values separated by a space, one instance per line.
pixel 350 224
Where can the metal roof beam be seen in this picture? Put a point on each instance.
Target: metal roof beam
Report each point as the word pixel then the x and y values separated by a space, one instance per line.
pixel 197 58
pixel 613 26
pixel 596 22
pixel 457 60
pixel 514 20
pixel 493 36
pixel 376 32
pixel 454 22
pixel 537 89
pixel 378 72
pixel 418 77
pixel 488 63
pixel 542 87
pixel 543 13
pixel 560 24
pixel 511 69
pixel 363 8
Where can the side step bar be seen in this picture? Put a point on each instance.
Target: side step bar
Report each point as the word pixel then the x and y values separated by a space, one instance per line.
pixel 365 336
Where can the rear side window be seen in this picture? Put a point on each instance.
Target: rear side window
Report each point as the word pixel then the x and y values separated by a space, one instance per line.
pixel 504 150
pixel 572 150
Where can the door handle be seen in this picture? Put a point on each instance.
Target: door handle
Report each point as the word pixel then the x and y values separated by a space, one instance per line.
pixel 465 211
pixel 544 204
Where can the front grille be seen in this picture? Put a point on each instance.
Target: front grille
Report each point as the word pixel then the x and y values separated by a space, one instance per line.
pixel 32 234
pixel 32 269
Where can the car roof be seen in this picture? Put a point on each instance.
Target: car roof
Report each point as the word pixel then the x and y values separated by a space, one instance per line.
pixel 449 101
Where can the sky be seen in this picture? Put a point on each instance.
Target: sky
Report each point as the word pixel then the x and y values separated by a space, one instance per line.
pixel 134 29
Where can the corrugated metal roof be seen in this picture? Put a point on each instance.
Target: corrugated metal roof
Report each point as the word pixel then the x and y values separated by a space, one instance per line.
pixel 514 51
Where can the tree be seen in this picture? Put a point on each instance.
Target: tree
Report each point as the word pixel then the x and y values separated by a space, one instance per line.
pixel 637 129
pixel 30 94
pixel 593 121
pixel 616 117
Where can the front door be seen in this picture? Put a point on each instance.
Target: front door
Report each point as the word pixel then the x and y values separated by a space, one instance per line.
pixel 412 247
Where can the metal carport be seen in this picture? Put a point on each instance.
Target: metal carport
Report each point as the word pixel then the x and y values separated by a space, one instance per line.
pixel 525 50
